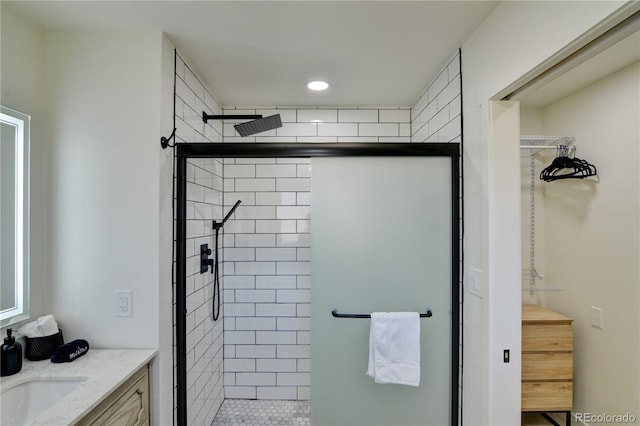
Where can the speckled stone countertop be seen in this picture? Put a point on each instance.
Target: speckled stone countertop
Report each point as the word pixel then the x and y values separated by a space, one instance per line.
pixel 104 370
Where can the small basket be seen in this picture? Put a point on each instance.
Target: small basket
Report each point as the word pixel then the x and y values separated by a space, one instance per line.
pixel 39 348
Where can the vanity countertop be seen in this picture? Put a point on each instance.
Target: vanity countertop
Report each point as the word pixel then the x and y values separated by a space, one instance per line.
pixel 104 369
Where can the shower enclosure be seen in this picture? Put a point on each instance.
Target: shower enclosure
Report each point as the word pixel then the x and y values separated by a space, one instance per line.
pixel 378 270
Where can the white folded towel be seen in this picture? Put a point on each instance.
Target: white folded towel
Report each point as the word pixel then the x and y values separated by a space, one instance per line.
pixel 47 325
pixel 44 326
pixel 394 348
pixel 30 329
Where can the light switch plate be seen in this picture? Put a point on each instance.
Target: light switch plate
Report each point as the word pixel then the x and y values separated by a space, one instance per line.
pixel 475 282
pixel 596 317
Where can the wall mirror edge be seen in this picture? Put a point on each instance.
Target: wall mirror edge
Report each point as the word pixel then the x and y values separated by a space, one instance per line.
pixel 14 216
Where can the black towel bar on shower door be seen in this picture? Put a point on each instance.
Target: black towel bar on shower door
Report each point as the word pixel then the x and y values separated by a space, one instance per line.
pixel 337 315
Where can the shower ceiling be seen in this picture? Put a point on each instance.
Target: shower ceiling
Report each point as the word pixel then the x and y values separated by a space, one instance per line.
pixel 262 53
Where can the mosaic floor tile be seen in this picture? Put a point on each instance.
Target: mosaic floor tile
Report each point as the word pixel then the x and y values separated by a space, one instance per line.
pixel 250 412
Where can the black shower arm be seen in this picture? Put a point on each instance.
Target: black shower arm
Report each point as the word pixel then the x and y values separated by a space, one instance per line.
pixel 206 117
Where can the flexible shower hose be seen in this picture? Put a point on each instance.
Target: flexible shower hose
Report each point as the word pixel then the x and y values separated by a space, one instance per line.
pixel 216 272
pixel 216 281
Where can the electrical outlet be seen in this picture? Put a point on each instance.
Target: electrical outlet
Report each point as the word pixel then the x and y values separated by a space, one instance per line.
pixel 124 303
pixel 596 317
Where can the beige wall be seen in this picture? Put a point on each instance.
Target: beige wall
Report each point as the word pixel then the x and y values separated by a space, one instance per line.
pixel 592 246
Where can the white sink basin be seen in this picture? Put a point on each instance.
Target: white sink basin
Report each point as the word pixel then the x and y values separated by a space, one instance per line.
pixel 21 403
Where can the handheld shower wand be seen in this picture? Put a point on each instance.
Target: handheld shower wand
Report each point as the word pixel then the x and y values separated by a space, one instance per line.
pixel 218 225
pixel 216 277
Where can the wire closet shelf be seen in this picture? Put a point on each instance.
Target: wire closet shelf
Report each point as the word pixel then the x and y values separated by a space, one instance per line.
pixel 538 143
pixel 533 145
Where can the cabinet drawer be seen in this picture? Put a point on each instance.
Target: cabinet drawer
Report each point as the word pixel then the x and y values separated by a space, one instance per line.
pixel 547 366
pixel 547 396
pixel 547 337
pixel 128 405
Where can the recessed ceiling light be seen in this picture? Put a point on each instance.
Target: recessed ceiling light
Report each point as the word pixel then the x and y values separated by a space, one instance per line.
pixel 318 85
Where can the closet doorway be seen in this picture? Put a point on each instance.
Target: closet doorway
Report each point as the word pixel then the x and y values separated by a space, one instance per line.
pixel 580 240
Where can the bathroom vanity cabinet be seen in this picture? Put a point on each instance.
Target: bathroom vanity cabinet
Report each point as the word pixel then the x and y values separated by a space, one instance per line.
pixel 127 405
pixel 105 386
pixel 547 361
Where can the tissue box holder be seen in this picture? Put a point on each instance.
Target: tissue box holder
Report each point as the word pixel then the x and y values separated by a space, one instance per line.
pixel 39 348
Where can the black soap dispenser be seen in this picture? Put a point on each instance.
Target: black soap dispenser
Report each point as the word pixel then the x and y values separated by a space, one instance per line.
pixel 11 355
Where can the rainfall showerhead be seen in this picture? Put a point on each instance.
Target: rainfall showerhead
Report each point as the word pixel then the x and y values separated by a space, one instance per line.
pixel 258 126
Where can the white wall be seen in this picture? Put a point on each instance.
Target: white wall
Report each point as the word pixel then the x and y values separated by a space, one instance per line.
pixel 103 183
pixel 514 39
pixel 21 90
pixel 532 124
pixel 108 202
pixel 162 374
pixel 591 251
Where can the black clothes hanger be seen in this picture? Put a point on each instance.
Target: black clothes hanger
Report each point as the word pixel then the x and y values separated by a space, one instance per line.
pixel 565 167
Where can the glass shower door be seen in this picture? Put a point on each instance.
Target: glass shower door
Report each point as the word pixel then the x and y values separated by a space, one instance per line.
pixel 381 240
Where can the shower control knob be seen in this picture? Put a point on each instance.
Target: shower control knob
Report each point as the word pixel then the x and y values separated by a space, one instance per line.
pixel 205 262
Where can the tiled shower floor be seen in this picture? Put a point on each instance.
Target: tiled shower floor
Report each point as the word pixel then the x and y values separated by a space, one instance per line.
pixel 251 412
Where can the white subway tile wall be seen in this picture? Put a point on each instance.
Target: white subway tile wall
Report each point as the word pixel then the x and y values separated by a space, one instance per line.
pixel 266 260
pixel 328 125
pixel 436 115
pixel 205 380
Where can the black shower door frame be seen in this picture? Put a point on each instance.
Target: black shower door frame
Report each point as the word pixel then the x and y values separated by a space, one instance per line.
pixel 185 151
